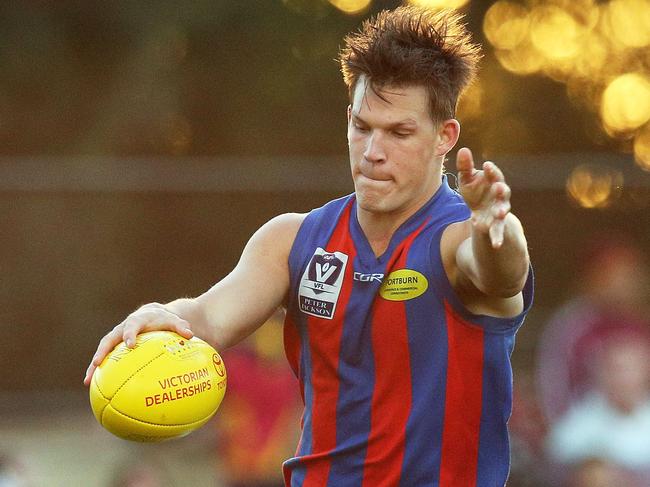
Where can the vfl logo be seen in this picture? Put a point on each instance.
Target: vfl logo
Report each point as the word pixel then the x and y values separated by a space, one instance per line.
pixel 321 283
pixel 323 272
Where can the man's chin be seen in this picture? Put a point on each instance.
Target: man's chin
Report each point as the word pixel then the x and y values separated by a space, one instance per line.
pixel 373 203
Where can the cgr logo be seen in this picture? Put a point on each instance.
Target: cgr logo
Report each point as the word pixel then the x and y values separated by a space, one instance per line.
pixel 358 276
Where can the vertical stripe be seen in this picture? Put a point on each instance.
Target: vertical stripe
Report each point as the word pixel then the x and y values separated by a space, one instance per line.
pixel 391 401
pixel 292 350
pixel 463 402
pixel 293 469
pixel 494 448
pixel 428 360
pixel 292 344
pixel 356 372
pixel 324 344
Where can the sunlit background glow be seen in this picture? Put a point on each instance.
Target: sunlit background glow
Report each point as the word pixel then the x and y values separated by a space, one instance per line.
pixel 506 24
pixel 593 186
pixel 439 3
pixel 351 7
pixel 626 102
pixel 642 148
pixel 600 51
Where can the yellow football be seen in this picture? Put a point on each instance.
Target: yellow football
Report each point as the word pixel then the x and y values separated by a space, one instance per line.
pixel 164 387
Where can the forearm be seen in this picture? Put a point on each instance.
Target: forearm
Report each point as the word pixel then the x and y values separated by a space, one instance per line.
pixel 190 310
pixel 218 317
pixel 499 271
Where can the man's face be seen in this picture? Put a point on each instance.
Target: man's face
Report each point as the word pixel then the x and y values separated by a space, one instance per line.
pixel 395 153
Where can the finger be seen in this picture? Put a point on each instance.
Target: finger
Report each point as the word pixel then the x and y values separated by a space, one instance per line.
pixel 89 374
pixel 106 344
pixel 499 192
pixel 465 165
pixel 153 322
pixel 170 321
pixel 482 221
pixel 500 209
pixel 496 233
pixel 492 172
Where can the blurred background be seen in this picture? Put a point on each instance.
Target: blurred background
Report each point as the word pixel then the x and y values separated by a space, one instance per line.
pixel 141 144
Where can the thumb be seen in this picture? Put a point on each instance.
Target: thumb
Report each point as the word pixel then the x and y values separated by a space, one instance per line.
pixel 465 165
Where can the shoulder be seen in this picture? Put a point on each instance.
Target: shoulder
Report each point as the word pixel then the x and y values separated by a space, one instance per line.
pixel 276 236
pixel 286 222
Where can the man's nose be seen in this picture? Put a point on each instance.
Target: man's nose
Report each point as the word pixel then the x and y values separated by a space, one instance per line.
pixel 375 148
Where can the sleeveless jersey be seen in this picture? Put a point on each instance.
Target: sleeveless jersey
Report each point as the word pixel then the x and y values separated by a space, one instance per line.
pixel 402 385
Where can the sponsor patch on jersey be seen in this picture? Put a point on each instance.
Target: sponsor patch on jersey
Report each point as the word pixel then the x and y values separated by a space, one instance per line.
pixel 321 283
pixel 403 284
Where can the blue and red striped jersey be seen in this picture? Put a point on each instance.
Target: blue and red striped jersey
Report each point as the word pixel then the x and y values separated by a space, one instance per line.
pixel 402 385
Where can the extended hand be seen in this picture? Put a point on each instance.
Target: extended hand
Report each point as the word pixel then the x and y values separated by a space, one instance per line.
pixel 149 317
pixel 486 193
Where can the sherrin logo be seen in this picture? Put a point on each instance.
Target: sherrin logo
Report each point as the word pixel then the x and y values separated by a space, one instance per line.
pixel 218 365
pixel 403 284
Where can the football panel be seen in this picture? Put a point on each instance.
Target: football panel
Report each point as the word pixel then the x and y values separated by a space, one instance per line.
pixel 122 362
pixel 132 429
pixel 97 400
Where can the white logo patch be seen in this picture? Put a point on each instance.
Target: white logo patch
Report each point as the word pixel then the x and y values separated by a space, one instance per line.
pixel 321 283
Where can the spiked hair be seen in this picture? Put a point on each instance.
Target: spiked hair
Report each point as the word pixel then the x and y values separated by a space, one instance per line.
pixel 413 46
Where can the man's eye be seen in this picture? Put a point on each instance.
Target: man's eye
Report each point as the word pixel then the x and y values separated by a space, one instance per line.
pixel 360 128
pixel 401 135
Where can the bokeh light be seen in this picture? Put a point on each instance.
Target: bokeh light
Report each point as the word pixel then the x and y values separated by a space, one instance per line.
pixel 439 4
pixel 591 58
pixel 554 32
pixel 626 102
pixel 351 7
pixel 523 60
pixel 642 148
pixel 584 12
pixel 506 24
pixel 598 49
pixel 592 186
pixel 471 102
pixel 629 21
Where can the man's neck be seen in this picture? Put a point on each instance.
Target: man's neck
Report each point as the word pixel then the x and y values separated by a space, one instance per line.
pixel 379 227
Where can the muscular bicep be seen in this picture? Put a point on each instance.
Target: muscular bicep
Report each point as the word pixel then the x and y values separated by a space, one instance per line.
pixel 256 287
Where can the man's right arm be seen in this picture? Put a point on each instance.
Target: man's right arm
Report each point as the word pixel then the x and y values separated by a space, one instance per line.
pixel 230 310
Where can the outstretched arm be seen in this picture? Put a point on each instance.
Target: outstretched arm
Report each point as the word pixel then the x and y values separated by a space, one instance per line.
pixel 494 257
pixel 230 310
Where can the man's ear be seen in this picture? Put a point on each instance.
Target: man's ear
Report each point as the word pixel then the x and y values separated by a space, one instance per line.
pixel 447 136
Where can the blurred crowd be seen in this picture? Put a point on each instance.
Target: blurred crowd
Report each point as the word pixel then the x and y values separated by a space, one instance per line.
pixel 583 418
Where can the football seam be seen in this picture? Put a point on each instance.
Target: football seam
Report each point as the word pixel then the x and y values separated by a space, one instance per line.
pixel 159 424
pixel 108 401
pixel 135 373
pixel 99 389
